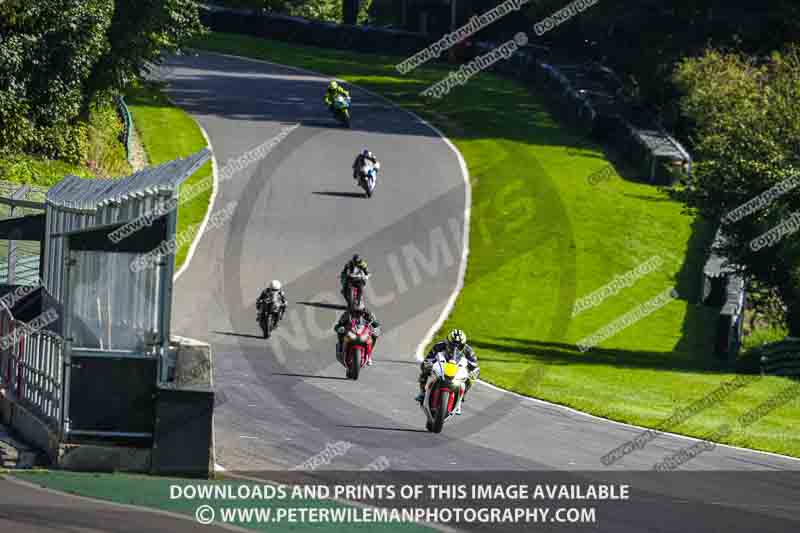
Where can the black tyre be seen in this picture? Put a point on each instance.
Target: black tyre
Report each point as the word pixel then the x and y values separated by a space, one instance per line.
pixel 441 413
pixel 355 364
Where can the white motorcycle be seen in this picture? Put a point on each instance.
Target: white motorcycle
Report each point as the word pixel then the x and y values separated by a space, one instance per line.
pixel 444 389
pixel 368 176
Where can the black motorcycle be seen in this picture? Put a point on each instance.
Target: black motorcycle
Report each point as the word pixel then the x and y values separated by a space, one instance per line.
pixel 269 314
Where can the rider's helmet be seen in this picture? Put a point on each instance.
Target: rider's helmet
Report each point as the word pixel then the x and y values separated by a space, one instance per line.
pixel 275 285
pixel 366 153
pixel 456 339
pixel 333 85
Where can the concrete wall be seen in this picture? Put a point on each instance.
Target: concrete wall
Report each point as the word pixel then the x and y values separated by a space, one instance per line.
pixel 193 363
pixel 32 430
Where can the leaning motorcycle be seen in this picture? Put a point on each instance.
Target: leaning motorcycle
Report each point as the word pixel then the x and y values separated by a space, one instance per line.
pixel 368 176
pixel 268 315
pixel 354 289
pixel 445 386
pixel 341 109
pixel 356 347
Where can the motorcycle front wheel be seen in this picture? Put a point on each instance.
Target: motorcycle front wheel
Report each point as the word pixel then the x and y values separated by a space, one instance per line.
pixel 441 413
pixel 355 363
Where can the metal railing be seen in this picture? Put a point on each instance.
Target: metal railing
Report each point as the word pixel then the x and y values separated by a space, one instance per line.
pixel 127 122
pixel 31 367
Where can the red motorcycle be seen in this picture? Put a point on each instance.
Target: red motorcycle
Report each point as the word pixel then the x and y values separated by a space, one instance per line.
pixel 356 347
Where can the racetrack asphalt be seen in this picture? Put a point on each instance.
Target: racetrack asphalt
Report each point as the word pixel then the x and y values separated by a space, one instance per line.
pixel 299 216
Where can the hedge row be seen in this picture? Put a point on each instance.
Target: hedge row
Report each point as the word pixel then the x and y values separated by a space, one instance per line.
pixel 314 33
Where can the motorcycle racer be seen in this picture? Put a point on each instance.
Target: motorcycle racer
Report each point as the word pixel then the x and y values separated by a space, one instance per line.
pixel 275 290
pixel 333 90
pixel 363 157
pixel 356 263
pixel 355 314
pixel 456 340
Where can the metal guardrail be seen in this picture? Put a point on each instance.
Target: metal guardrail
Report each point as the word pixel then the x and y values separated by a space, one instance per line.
pixel 780 358
pixel 31 368
pixel 588 95
pixel 127 122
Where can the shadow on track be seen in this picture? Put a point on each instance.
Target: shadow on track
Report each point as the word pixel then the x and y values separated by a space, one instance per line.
pixel 308 376
pixel 341 194
pixel 379 428
pixel 234 334
pixel 322 305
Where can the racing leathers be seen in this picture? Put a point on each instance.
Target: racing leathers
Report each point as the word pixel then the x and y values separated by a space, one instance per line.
pixel 351 266
pixel 360 160
pixel 278 297
pixel 343 324
pixel 430 359
pixel 332 92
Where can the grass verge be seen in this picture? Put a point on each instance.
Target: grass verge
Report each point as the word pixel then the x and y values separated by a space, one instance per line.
pixel 154 492
pixel 104 154
pixel 167 132
pixel 543 234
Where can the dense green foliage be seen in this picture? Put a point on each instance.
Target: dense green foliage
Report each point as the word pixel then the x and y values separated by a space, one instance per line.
pixel 58 58
pixel 745 116
pixel 575 237
pixel 326 10
pixel 645 39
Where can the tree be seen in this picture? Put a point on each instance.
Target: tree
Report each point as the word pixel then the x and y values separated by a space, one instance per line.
pixel 57 57
pixel 142 30
pixel 46 56
pixel 745 114
pixel 326 10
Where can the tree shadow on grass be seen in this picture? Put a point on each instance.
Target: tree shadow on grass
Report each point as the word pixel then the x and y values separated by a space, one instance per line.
pixel 558 353
pixel 700 321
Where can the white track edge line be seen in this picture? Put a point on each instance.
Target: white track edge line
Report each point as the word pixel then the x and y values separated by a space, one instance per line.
pixel 462 268
pixel 464 174
pixel 204 223
pixel 630 426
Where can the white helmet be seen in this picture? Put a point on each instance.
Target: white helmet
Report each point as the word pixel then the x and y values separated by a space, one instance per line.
pixel 275 285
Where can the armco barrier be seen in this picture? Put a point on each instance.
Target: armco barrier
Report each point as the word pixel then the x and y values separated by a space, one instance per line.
pixel 589 97
pixel 127 122
pixel 314 33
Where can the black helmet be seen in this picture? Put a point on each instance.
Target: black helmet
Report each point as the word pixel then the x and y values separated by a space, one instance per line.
pixel 356 258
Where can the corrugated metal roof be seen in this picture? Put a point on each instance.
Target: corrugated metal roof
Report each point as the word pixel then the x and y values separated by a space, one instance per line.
pixel 661 144
pixel 90 194
pixel 717 264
